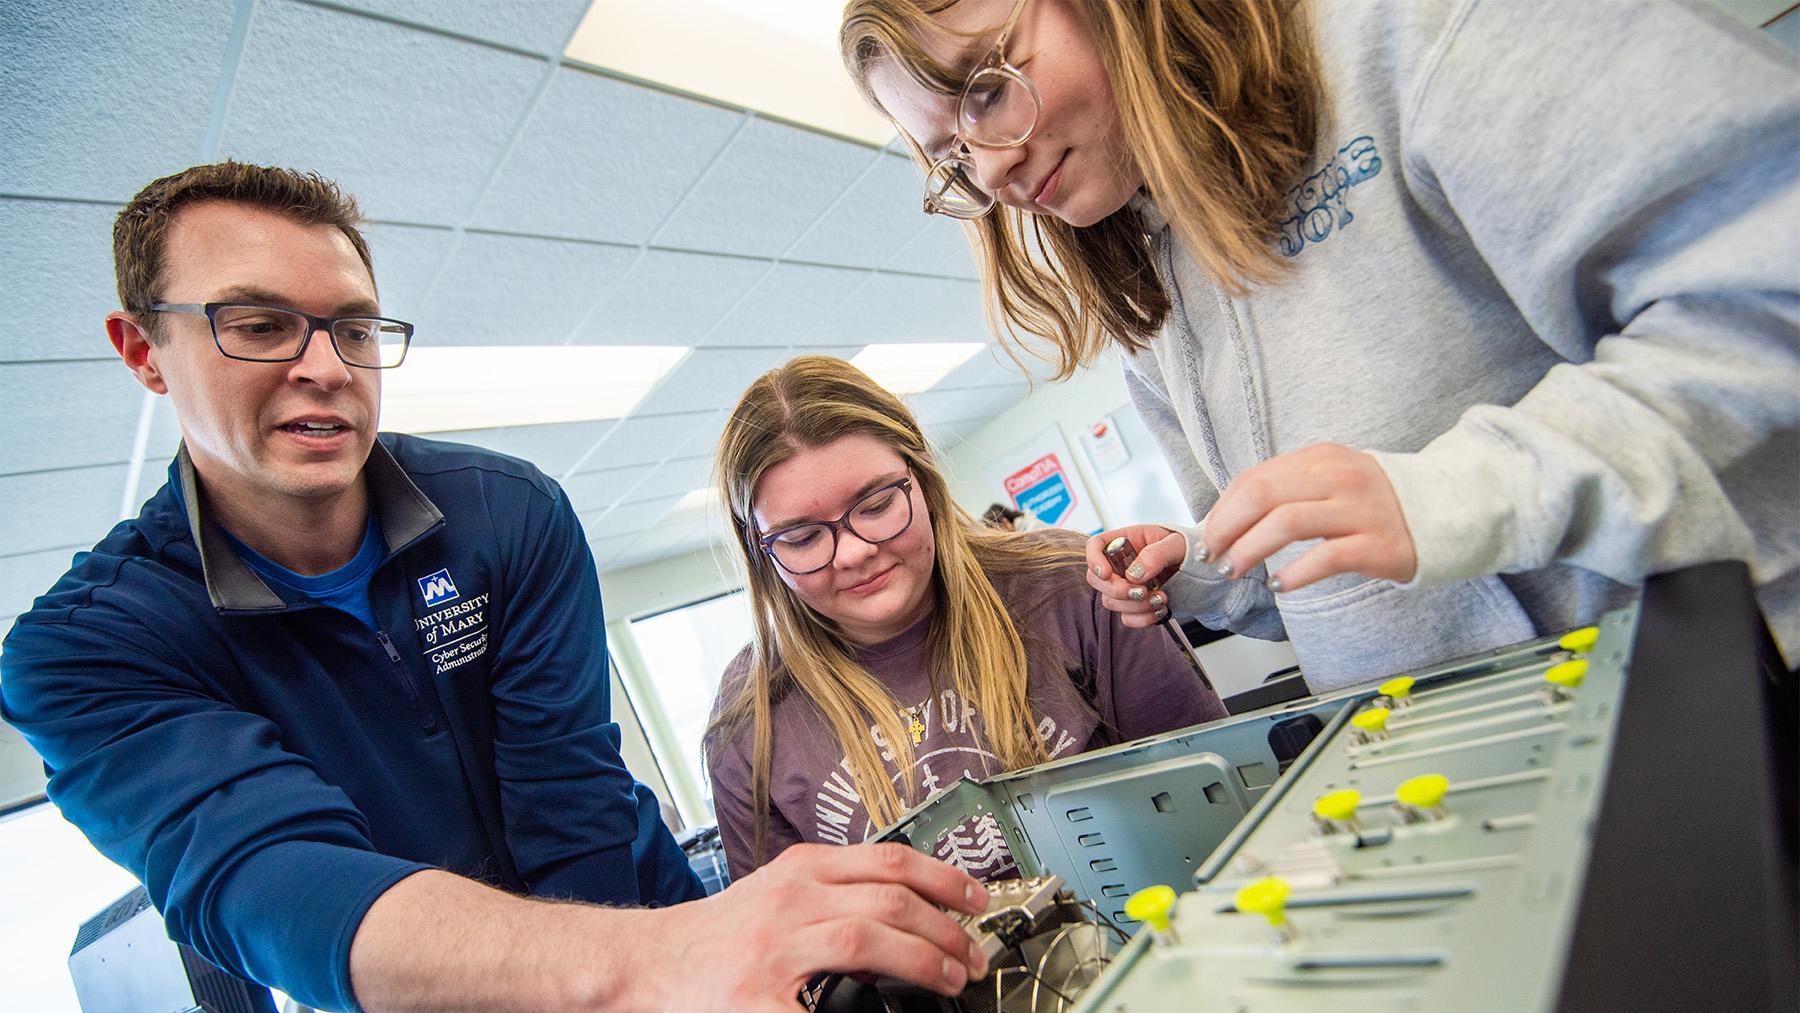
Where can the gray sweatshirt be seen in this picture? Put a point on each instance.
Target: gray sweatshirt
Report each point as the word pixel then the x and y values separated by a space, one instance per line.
pixel 1547 271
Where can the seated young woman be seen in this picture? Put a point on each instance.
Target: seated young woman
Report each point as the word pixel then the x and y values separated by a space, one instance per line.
pixel 899 645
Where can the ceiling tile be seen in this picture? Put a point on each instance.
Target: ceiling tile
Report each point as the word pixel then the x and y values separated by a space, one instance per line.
pixel 941 247
pixel 671 298
pixel 760 195
pixel 946 435
pixel 406 258
pixel 513 290
pixel 653 438
pixel 970 402
pixel 627 519
pixel 53 509
pixel 878 216
pixel 596 490
pixel 605 549
pixel 603 159
pixel 711 378
pixel 991 368
pixel 674 478
pixel 57 262
pixel 25 576
pixel 414 134
pixel 133 79
pixel 42 428
pixel 905 307
pixel 554 448
pixel 662 543
pixel 786 304
pixel 541 26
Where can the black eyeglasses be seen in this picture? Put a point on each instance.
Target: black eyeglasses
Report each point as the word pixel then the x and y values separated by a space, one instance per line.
pixel 255 333
pixel 880 516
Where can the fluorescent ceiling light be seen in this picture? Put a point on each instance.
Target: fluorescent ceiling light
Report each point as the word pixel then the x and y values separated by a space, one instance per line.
pixel 439 389
pixel 776 58
pixel 909 369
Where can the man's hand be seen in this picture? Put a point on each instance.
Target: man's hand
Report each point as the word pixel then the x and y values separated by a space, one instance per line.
pixel 814 908
pixel 1135 594
pixel 1324 491
pixel 434 941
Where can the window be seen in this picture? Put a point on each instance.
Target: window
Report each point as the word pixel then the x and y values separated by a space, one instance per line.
pixel 53 881
pixel 683 652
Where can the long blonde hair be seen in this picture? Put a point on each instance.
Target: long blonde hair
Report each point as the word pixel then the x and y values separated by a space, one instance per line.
pixel 1219 103
pixel 975 640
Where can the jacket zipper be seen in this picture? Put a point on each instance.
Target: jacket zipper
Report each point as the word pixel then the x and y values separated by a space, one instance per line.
pixel 427 720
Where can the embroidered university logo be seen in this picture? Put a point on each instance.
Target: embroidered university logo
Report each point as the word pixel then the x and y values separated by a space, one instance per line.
pixel 437 589
pixel 1319 204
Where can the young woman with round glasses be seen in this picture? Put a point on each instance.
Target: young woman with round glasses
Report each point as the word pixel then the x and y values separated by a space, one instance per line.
pixel 898 644
pixel 1454 320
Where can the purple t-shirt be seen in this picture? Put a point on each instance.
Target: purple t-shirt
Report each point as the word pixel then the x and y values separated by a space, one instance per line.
pixel 1113 684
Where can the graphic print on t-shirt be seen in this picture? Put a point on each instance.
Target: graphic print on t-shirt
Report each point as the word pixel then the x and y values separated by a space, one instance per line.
pixel 949 742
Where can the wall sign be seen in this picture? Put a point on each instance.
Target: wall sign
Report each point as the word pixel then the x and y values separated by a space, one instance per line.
pixel 1039 476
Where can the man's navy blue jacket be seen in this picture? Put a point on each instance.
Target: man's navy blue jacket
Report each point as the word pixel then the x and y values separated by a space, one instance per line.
pixel 268 767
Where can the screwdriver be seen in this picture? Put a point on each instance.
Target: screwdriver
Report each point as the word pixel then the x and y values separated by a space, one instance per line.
pixel 1120 554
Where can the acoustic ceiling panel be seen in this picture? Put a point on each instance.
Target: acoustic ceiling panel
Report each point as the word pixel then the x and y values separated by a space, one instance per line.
pixel 711 378
pixel 57 509
pixel 406 260
pixel 940 247
pixel 872 221
pixel 518 290
pixel 589 491
pixel 786 304
pixel 57 266
pixel 649 439
pixel 905 308
pixel 771 183
pixel 48 428
pixel 671 298
pixel 554 447
pixel 626 519
pixel 410 122
pixel 603 159
pixel 674 478
pixel 540 26
pixel 660 543
pixel 134 81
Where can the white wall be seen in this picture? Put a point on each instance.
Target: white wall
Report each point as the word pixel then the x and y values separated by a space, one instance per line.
pixel 1070 405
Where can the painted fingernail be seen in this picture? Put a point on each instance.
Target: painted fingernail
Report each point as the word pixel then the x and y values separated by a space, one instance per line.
pixel 1159 599
pixel 1162 614
pixel 1275 584
pixel 1223 568
pixel 1136 593
pixel 1203 554
pixel 1134 572
pixel 1098 573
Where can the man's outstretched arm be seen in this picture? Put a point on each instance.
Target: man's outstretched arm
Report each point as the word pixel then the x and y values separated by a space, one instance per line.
pixel 436 941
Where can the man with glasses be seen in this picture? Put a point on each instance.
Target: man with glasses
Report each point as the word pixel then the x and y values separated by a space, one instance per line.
pixel 340 700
